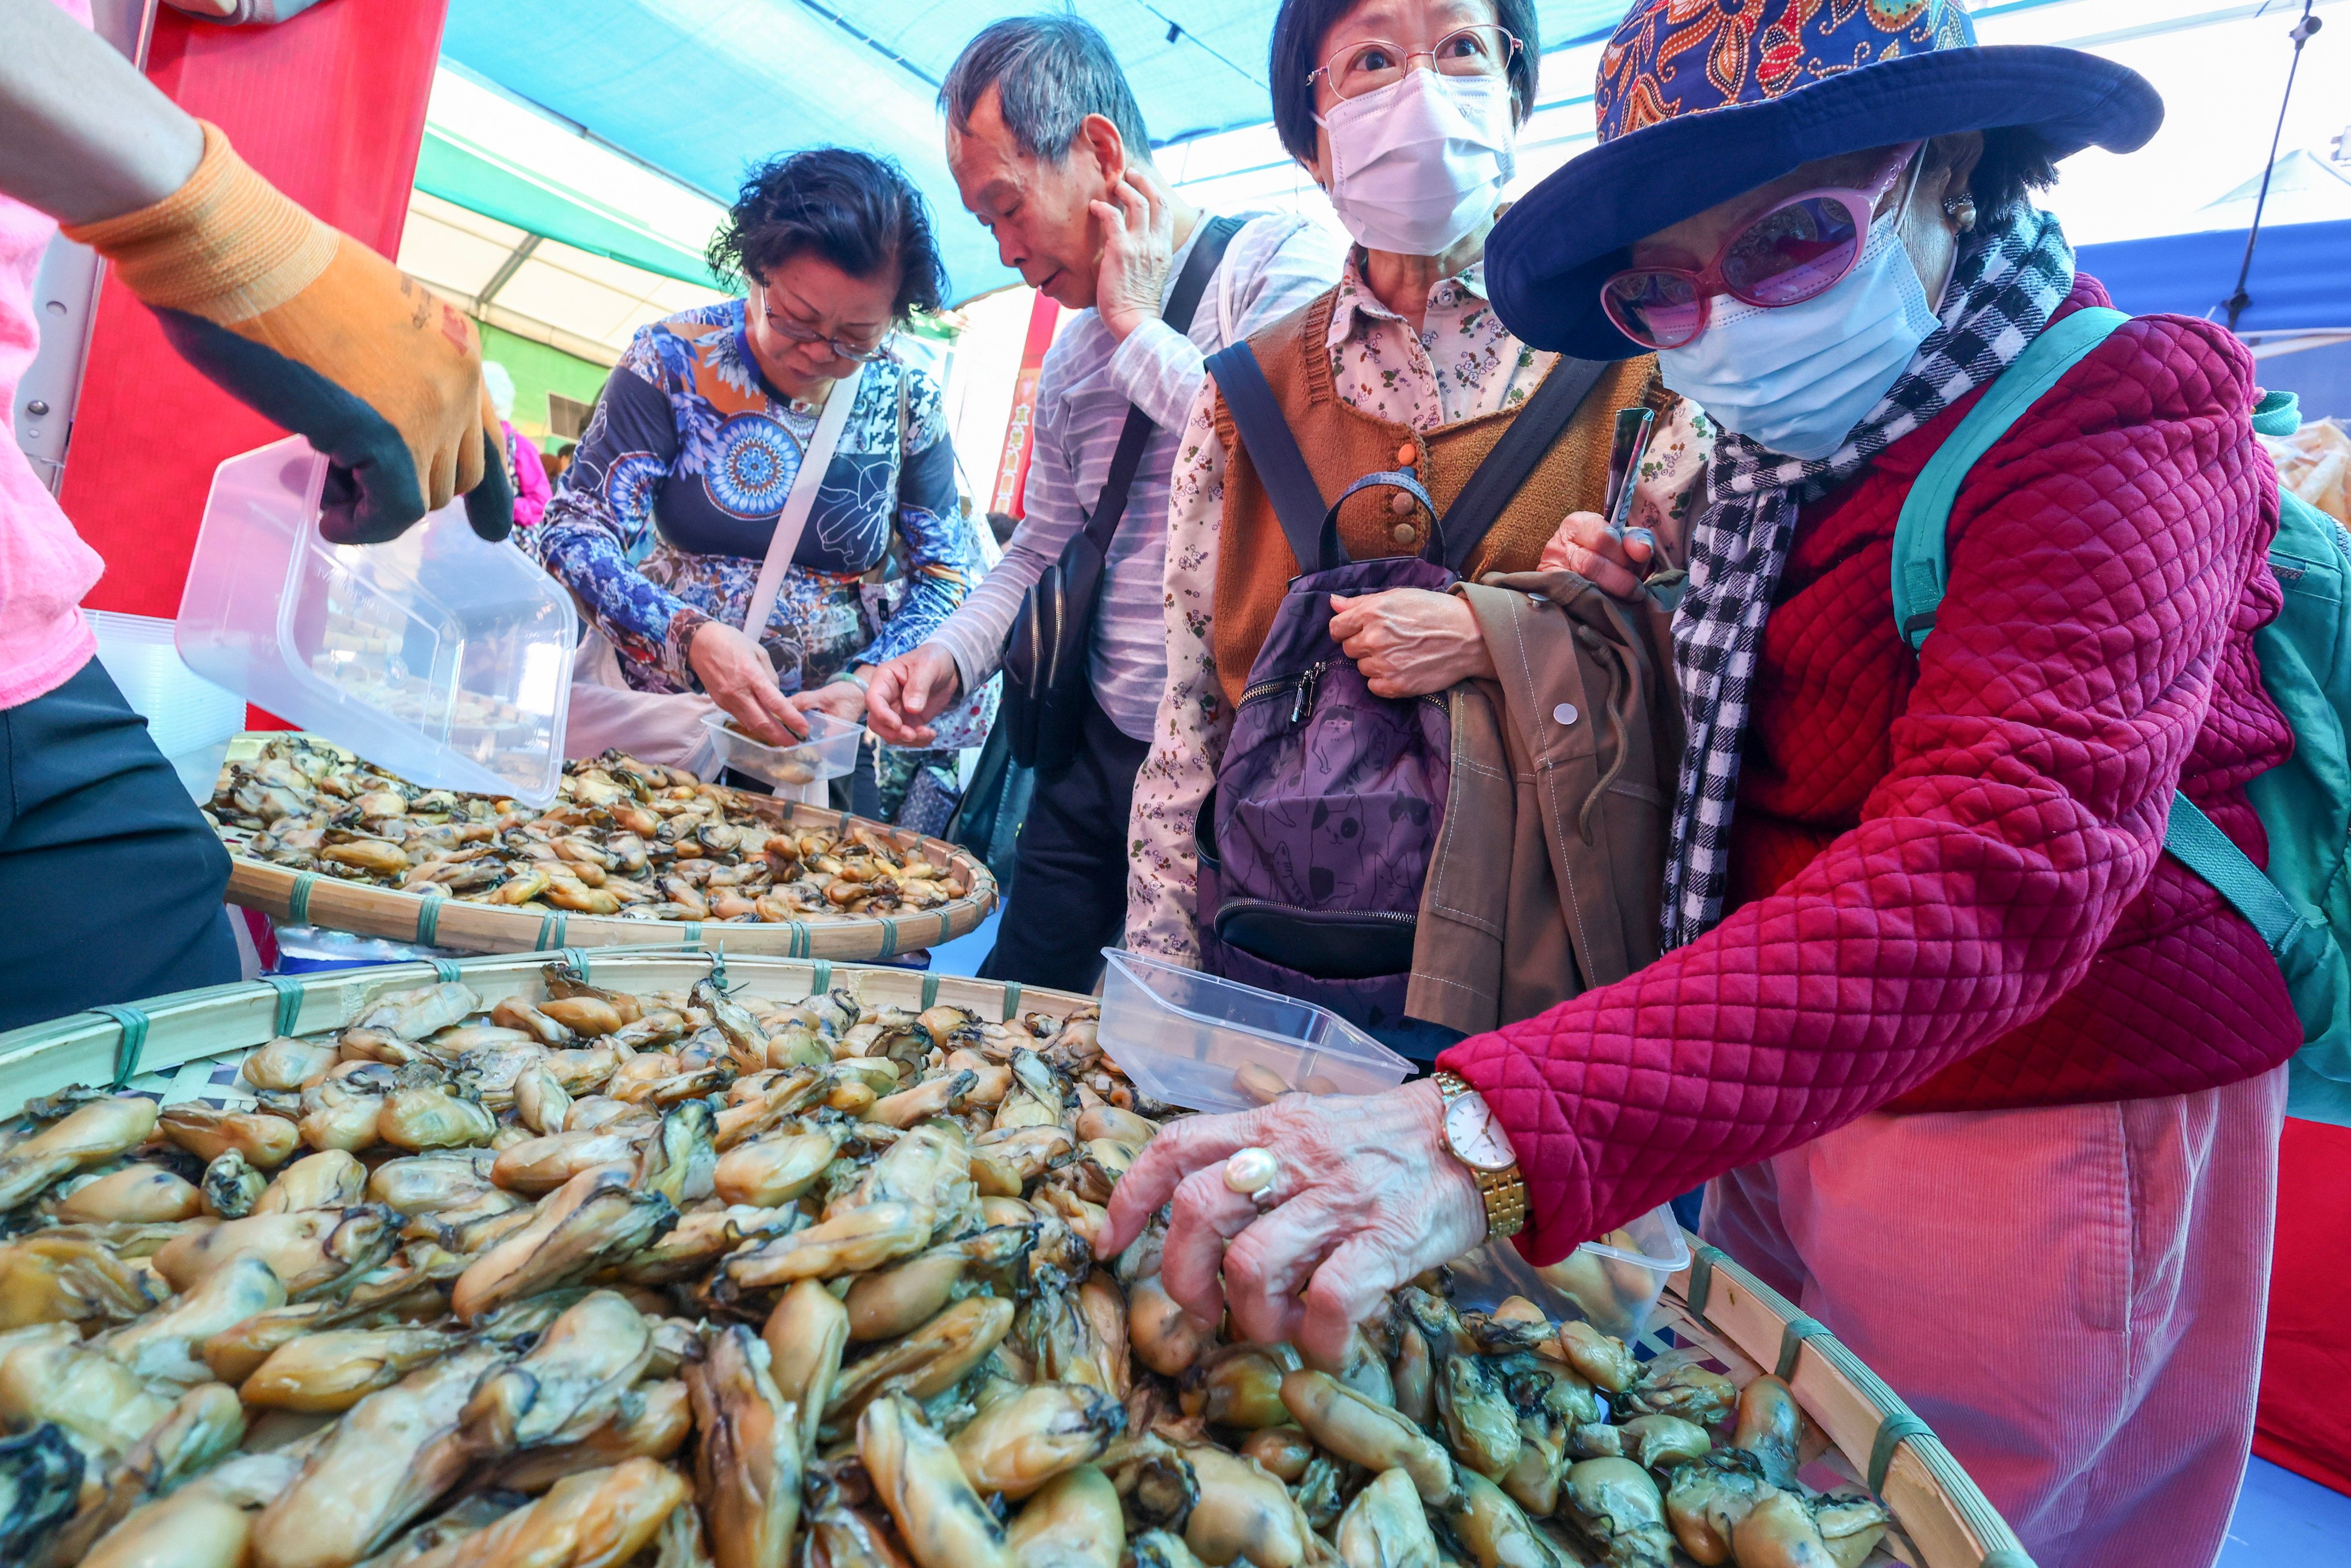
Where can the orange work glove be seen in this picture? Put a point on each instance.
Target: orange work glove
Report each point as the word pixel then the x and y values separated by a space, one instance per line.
pixel 305 325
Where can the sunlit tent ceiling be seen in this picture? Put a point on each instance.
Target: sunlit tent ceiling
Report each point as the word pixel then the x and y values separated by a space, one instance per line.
pixel 617 128
pixel 699 87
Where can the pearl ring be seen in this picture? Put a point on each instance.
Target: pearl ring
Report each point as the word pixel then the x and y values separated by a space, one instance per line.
pixel 1251 1172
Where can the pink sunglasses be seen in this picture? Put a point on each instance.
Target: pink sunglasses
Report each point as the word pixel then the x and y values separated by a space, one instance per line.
pixel 1797 249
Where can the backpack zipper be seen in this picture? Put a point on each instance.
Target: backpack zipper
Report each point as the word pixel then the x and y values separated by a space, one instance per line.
pixel 1303 683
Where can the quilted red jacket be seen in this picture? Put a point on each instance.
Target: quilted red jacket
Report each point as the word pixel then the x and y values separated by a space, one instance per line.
pixel 1952 891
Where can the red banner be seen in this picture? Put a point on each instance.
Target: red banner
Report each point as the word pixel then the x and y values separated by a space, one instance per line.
pixel 1019 432
pixel 330 107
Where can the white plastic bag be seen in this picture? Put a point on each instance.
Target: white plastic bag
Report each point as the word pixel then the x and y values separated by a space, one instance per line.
pixel 608 714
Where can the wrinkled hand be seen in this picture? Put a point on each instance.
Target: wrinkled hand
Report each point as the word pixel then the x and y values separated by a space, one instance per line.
pixel 840 700
pixel 1614 565
pixel 737 674
pixel 1368 1197
pixel 1138 251
pixel 1409 641
pixel 910 691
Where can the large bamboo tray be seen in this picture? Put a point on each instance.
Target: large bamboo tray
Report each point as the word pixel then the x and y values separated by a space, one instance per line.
pixel 188 1046
pixel 310 898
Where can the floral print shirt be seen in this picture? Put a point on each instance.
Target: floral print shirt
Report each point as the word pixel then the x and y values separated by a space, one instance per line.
pixel 692 452
pixel 1463 363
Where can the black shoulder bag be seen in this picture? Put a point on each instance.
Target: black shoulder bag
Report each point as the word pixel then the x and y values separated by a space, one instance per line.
pixel 1045 673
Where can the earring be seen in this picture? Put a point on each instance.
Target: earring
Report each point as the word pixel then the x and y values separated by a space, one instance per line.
pixel 1961 209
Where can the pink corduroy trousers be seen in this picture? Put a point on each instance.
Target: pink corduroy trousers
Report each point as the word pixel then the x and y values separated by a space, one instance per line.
pixel 2072 1296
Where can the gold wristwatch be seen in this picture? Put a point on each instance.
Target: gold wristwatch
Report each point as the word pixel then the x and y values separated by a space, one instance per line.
pixel 1478 1141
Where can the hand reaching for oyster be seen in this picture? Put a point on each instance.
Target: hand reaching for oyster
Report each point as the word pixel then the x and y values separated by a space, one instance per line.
pixel 1365 1197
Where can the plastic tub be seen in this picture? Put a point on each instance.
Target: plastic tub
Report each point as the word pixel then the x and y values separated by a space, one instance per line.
pixel 828 752
pixel 1614 1283
pixel 439 656
pixel 1185 1038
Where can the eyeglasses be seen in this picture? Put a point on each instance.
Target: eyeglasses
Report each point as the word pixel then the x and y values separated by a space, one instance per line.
pixel 1368 64
pixel 862 353
pixel 1797 249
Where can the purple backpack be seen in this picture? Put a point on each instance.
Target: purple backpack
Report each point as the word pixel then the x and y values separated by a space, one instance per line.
pixel 1316 840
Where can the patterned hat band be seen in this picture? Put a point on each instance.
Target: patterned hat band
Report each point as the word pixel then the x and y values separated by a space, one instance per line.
pixel 1670 59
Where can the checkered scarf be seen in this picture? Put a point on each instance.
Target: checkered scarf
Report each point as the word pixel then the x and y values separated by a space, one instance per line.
pixel 2008 280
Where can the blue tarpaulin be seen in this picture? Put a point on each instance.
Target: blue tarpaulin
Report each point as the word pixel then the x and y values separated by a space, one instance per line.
pixel 2301 280
pixel 699 87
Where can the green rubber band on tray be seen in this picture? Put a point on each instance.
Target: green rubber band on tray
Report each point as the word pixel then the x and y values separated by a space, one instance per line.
pixel 289 1001
pixel 803 940
pixel 1792 1335
pixel 2009 1557
pixel 550 932
pixel 574 959
pixel 1891 1432
pixel 821 978
pixel 1011 999
pixel 693 934
pixel 132 1044
pixel 889 940
pixel 946 923
pixel 298 902
pixel 1701 1285
pixel 447 969
pixel 930 991
pixel 428 920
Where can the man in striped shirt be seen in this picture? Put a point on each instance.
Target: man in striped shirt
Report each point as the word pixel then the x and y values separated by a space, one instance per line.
pixel 1050 151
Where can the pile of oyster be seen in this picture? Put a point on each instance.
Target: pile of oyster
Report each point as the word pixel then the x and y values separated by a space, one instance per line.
pixel 624 838
pixel 683 1277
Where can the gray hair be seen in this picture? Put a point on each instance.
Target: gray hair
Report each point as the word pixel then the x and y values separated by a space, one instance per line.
pixel 1051 73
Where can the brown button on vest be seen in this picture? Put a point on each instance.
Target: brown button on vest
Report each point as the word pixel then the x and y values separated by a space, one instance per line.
pixel 1342 443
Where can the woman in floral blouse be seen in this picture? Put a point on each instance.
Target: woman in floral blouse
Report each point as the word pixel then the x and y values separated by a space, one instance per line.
pixel 1410 342
pixel 698 436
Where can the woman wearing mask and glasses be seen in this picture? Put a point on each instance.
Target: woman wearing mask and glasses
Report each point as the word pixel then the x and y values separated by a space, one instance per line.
pixel 697 440
pixel 1979 1073
pixel 1406 114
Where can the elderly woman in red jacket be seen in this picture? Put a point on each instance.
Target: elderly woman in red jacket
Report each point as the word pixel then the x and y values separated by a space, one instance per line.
pixel 1982 1080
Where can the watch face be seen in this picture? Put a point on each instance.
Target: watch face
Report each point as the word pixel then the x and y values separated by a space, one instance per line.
pixel 1475 1136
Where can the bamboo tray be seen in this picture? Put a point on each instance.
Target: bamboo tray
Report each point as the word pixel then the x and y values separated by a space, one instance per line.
pixel 188 1047
pixel 312 898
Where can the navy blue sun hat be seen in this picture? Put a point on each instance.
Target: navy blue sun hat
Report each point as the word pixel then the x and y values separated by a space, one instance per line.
pixel 1699 101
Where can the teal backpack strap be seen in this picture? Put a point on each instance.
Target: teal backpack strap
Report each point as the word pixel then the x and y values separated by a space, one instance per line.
pixel 2208 852
pixel 1919 578
pixel 1919 535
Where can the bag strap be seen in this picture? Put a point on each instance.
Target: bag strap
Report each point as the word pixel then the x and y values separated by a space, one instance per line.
pixel 1533 432
pixel 1920 552
pixel 815 458
pixel 1920 547
pixel 1183 302
pixel 1281 468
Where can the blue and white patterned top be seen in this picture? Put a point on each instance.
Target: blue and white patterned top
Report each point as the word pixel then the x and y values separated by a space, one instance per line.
pixel 690 446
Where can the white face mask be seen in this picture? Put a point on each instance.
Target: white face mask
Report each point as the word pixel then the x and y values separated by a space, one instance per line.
pixel 1416 166
pixel 1798 379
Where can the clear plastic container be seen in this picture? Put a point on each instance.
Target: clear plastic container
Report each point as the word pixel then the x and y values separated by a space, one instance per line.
pixel 439 656
pixel 1612 1283
pixel 1199 1041
pixel 828 752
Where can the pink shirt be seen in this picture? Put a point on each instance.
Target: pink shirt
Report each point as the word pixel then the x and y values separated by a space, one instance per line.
pixel 45 568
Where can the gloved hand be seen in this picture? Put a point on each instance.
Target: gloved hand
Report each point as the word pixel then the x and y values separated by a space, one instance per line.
pixel 307 325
